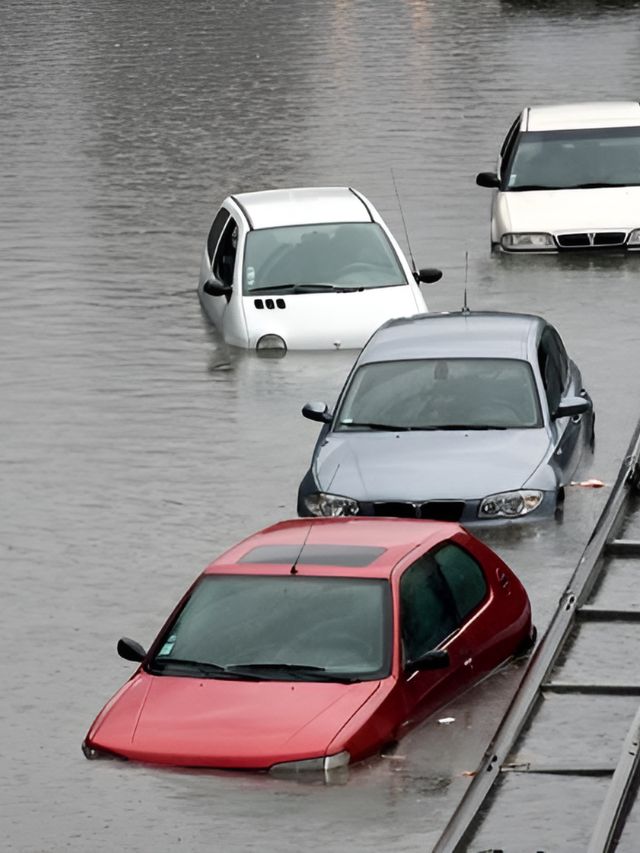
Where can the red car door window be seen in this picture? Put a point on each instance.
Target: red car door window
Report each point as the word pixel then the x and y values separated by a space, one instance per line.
pixel 427 609
pixel 464 577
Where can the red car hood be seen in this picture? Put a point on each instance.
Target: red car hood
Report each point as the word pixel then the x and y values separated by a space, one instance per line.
pixel 217 723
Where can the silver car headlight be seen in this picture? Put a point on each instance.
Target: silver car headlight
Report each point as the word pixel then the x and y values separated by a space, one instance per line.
pixel 320 503
pixel 527 242
pixel 324 763
pixel 634 238
pixel 510 504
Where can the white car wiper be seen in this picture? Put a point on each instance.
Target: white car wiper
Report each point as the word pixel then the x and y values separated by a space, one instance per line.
pixel 526 187
pixel 596 185
pixel 293 287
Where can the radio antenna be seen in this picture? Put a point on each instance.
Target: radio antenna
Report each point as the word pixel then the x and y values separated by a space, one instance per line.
pixel 404 224
pixel 465 307
pixel 294 566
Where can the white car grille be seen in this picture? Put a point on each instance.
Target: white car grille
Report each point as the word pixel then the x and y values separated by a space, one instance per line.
pixel 591 239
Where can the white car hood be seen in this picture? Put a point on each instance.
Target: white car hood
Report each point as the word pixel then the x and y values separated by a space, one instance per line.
pixel 328 320
pixel 555 211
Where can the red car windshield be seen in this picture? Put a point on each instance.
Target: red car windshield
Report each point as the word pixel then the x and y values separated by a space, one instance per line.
pixel 284 628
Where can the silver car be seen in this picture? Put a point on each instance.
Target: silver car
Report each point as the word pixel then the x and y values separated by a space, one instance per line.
pixel 467 417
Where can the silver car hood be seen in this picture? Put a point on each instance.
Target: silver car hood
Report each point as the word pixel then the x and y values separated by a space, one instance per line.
pixel 452 464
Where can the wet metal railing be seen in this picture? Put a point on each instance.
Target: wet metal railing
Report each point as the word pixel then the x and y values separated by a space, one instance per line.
pixel 552 654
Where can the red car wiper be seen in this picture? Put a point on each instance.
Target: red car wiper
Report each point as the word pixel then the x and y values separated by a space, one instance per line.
pixel 210 670
pixel 312 673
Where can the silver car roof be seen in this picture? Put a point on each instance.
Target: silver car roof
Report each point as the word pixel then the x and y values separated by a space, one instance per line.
pixel 303 206
pixel 456 335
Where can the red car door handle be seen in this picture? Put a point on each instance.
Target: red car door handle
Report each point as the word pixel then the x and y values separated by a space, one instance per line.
pixel 503 578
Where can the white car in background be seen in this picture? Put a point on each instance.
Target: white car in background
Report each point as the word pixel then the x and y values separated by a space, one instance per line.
pixel 568 177
pixel 305 268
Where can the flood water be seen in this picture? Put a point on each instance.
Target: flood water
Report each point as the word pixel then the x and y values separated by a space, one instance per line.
pixel 135 446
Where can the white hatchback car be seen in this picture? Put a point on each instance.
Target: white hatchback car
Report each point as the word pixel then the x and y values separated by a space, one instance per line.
pixel 305 268
pixel 568 177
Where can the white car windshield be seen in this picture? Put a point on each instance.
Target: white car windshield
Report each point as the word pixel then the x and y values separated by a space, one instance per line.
pixel 432 394
pixel 313 258
pixel 281 627
pixel 565 159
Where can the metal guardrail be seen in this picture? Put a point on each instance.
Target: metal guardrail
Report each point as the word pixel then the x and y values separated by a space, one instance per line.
pixel 571 607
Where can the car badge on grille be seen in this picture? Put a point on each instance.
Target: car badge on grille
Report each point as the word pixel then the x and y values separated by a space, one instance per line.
pixel 592 238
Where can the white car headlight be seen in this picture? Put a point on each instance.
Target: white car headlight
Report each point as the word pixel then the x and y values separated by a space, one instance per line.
pixel 510 504
pixel 324 763
pixel 527 242
pixel 320 503
pixel 634 238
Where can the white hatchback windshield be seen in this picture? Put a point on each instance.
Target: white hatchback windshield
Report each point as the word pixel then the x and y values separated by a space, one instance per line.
pixel 287 627
pixel 313 258
pixel 431 394
pixel 566 159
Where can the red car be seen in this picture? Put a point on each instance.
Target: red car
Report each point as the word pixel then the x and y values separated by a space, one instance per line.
pixel 316 643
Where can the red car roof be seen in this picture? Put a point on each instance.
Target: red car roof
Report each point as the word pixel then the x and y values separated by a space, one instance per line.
pixel 397 536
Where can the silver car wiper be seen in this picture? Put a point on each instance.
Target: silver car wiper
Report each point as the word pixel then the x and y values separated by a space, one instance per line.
pixel 374 425
pixel 416 427
pixel 467 426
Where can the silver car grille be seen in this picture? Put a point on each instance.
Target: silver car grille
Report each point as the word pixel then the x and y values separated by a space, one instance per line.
pixel 434 510
pixel 591 239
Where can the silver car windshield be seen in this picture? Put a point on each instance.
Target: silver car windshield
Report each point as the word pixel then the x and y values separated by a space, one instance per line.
pixel 431 394
pixel 336 256
pixel 565 159
pixel 287 627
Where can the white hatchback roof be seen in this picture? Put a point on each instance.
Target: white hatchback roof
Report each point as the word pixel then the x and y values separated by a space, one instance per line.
pixel 574 116
pixel 303 206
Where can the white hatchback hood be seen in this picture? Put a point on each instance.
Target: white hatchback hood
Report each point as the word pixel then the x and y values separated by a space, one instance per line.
pixel 557 211
pixel 327 320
